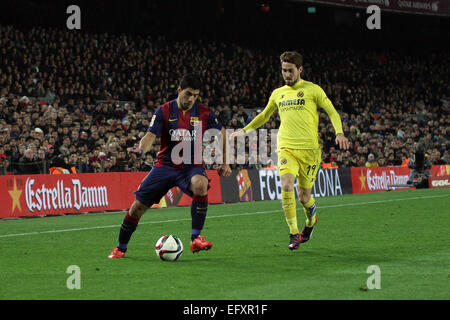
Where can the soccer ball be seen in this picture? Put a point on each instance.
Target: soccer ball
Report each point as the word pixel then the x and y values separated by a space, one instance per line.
pixel 169 248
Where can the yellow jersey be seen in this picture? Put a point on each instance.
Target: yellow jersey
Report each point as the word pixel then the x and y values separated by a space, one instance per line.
pixel 297 107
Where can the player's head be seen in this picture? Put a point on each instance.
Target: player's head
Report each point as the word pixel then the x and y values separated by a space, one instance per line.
pixel 188 90
pixel 291 66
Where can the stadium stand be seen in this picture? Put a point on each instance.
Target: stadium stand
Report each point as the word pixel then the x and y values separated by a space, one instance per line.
pixel 78 100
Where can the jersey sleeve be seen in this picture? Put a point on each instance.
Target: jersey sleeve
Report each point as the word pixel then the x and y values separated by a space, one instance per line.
pixel 325 103
pixel 263 117
pixel 157 122
pixel 213 122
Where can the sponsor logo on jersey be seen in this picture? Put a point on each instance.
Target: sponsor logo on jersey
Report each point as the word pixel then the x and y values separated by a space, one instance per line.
pixel 293 102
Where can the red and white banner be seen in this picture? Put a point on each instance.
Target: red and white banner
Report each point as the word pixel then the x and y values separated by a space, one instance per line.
pixel 44 194
pixel 374 179
pixel 433 7
pixel 439 182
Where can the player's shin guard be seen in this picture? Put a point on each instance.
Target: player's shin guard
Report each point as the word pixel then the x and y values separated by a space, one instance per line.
pixel 199 207
pixel 310 211
pixel 127 228
pixel 290 210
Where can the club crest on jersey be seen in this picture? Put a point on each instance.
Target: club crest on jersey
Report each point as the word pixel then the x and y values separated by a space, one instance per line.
pixel 300 94
pixel 283 161
pixel 194 121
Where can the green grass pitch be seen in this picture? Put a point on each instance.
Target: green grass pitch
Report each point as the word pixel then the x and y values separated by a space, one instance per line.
pixel 405 233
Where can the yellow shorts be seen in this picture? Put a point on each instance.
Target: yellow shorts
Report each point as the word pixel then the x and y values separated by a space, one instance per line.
pixel 301 163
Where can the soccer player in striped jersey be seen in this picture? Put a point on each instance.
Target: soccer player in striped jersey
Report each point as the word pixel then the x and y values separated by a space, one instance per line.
pixel 299 153
pixel 178 121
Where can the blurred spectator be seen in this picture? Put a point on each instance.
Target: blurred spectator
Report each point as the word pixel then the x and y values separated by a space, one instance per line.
pixel 42 161
pixel 446 158
pixel 270 165
pixel 64 148
pixel 50 152
pixel 148 163
pixel 28 163
pixel 371 162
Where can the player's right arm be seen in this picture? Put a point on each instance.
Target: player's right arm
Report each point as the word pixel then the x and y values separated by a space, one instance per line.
pixel 145 144
pixel 259 120
pixel 147 141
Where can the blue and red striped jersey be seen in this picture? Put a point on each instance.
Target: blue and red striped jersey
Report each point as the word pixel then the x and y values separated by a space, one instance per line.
pixel 176 126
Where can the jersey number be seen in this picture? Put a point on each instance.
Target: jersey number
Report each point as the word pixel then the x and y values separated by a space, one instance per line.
pixel 309 169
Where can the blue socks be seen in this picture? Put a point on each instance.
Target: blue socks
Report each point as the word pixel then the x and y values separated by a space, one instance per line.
pixel 127 228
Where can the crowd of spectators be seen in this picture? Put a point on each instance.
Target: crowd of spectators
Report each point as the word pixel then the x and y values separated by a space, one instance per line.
pixel 80 99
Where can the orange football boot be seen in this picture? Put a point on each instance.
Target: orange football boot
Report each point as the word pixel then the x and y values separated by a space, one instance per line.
pixel 116 253
pixel 200 243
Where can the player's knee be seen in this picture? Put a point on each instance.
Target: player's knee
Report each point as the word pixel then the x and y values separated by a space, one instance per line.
pixel 200 189
pixel 304 198
pixel 287 184
pixel 137 209
pixel 199 185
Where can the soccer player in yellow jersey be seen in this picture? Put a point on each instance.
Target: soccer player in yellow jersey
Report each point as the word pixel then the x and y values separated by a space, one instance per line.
pixel 299 154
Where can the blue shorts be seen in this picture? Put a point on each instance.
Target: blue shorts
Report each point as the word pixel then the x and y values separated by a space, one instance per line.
pixel 161 179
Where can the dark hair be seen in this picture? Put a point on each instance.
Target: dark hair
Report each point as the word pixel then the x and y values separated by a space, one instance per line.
pixel 292 57
pixel 191 80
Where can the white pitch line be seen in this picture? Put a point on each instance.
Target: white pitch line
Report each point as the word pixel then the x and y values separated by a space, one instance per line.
pixel 221 216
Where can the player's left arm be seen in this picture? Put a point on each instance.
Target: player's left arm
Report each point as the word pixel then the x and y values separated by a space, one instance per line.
pixel 324 102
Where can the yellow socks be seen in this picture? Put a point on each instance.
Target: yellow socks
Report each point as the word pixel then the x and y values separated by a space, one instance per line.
pixel 290 210
pixel 310 210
